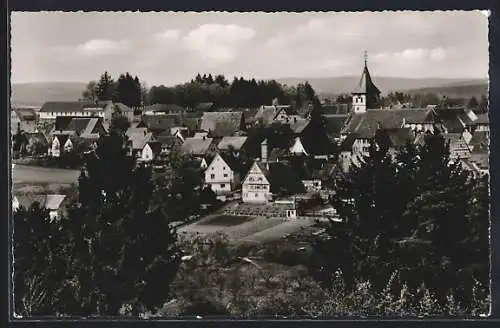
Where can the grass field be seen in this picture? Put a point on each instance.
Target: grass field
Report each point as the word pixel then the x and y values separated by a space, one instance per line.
pixel 246 229
pixel 24 174
pixel 226 220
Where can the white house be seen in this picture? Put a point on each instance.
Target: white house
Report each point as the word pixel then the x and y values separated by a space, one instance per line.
pixel 221 175
pixel 52 109
pixel 297 147
pixel 256 187
pixel 53 203
pixel 150 151
pixel 55 146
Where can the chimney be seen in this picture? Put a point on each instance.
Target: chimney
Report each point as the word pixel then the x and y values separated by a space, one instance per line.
pixel 263 151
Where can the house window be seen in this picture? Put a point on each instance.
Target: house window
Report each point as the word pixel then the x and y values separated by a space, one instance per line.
pixel 212 176
pixel 250 179
pixel 260 178
pixel 222 185
pixel 225 175
pixel 212 169
pixel 256 195
pixel 223 167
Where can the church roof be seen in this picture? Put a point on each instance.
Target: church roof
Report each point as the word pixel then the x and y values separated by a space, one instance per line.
pixel 366 84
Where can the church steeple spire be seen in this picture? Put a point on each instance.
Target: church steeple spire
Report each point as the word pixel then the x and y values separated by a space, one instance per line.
pixel 366 94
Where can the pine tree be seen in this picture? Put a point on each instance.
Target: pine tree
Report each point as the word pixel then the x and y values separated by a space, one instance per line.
pixel 105 87
pixel 124 250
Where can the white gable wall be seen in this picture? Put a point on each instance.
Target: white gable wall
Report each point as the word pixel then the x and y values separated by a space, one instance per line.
pixel 219 176
pixel 256 188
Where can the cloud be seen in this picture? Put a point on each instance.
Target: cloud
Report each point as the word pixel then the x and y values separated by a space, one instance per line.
pixel 216 41
pixel 100 47
pixel 170 35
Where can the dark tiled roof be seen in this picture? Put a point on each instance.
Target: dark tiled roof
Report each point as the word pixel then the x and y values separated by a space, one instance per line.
pixel 25 114
pixel 69 106
pixel 365 84
pixel 399 137
pixel 160 122
pixel 38 136
pixel 480 141
pixel 236 142
pixel 203 106
pixel 336 109
pixel 222 124
pixel 366 124
pixel 197 146
pixel 155 147
pixel 454 119
pixel 123 108
pixel 167 108
pixel 299 125
pixel 482 118
pixel 334 124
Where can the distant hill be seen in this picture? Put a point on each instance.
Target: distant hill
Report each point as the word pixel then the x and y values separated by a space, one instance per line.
pixel 36 93
pixel 456 90
pixel 345 84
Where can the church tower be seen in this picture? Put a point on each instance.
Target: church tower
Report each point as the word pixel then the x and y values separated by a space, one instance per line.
pixel 366 95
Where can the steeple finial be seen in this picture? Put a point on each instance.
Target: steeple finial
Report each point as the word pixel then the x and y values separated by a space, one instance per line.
pixel 366 57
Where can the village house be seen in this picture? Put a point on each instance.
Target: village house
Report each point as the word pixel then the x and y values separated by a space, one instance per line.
pixel 35 143
pixel 205 107
pixel 297 148
pixel 151 151
pixel 286 114
pixel 68 130
pixel 479 141
pixel 265 115
pixel 169 144
pixel 458 145
pixel 181 132
pixel 124 110
pixel 456 119
pixel 235 143
pixel 199 148
pixel 222 174
pixel 160 124
pixel 163 109
pixel 53 109
pixel 23 119
pixel 55 203
pixel 482 124
pixel 222 124
pixel 138 138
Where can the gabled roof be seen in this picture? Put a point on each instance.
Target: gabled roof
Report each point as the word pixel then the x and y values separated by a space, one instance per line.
pixel 286 109
pixel 38 136
pixel 139 139
pixel 483 119
pixel 299 125
pixel 236 142
pixel 197 146
pixel 51 202
pixel 168 141
pixel 160 122
pixel 266 114
pixel 366 124
pixel 155 146
pixel 81 126
pixel 123 108
pixel 233 163
pixel 203 106
pixel 71 106
pixel 399 137
pixel 167 108
pixel 479 140
pixel 454 119
pixel 221 124
pixel 25 114
pixel 334 124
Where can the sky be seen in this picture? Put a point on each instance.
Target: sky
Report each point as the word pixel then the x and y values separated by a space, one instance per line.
pixel 169 48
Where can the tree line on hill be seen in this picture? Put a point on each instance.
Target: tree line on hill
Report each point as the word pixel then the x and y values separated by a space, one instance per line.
pixel 422 100
pixel 414 232
pixel 240 93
